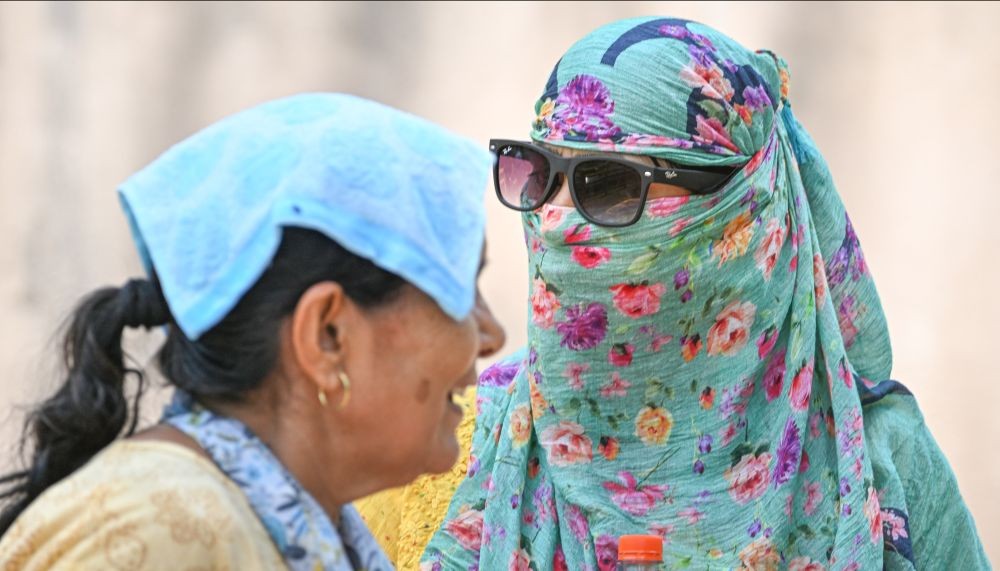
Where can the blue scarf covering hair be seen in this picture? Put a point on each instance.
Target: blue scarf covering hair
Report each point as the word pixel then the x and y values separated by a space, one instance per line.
pixel 207 218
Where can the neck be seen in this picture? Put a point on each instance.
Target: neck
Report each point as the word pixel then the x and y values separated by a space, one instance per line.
pixel 319 455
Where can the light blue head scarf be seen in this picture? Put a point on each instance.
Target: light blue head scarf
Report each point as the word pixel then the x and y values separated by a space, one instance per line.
pixel 207 215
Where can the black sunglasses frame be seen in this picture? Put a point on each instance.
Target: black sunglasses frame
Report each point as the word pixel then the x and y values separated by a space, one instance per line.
pixel 700 182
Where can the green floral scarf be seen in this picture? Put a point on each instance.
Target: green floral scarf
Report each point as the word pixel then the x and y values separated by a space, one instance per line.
pixel 700 375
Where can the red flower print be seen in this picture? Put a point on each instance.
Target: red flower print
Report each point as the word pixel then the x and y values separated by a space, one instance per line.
pixel 607 553
pixel 577 234
pixel 618 387
pixel 802 387
pixel 749 478
pixel 631 498
pixel 519 561
pixel 637 301
pixel 590 257
pixel 767 253
pixel 544 305
pixel 712 131
pixel 873 514
pixel 774 376
pixel 814 495
pixel 690 346
pixel 805 564
pixel 662 207
pixel 573 374
pixel 620 354
pixel 707 398
pixel 819 278
pixel 732 328
pixel 766 342
pixel 609 447
pixel 566 444
pixel 559 560
pixel 467 529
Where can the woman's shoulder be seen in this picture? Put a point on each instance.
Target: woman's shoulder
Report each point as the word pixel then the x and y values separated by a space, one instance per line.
pixel 140 505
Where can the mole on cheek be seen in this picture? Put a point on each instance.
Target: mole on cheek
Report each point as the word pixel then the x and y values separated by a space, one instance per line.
pixel 423 390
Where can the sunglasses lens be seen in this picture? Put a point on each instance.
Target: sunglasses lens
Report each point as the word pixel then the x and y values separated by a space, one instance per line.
pixel 608 192
pixel 521 175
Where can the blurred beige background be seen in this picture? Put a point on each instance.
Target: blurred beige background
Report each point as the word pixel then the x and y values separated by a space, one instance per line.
pixel 899 97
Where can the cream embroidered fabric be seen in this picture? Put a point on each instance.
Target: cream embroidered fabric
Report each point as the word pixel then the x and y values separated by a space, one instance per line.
pixel 141 506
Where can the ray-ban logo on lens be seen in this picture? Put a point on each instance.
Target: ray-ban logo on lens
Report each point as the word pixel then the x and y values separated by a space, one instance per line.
pixel 669 174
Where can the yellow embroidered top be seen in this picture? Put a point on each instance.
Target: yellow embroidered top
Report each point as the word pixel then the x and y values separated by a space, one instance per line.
pixel 403 519
pixel 141 505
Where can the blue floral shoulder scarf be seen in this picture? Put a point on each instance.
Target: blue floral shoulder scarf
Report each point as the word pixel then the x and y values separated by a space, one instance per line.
pixel 302 532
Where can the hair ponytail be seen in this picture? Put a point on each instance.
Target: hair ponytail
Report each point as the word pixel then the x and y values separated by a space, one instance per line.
pixel 91 408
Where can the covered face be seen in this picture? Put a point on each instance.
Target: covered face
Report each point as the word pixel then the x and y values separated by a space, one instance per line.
pixel 699 374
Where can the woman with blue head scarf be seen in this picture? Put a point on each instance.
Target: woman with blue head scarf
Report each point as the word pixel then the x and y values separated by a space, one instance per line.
pixel 707 357
pixel 315 337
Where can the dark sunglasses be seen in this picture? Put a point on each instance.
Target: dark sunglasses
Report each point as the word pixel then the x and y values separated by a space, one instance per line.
pixel 606 191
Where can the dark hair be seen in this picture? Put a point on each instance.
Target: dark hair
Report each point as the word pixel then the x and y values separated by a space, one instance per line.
pixel 91 409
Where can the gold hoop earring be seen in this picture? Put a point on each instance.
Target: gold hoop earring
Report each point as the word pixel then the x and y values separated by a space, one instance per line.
pixel 322 398
pixel 344 380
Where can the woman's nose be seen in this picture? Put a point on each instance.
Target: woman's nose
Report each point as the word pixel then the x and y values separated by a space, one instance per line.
pixel 492 336
pixel 562 196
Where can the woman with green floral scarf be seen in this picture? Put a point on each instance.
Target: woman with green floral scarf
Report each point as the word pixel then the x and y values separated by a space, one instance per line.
pixel 707 357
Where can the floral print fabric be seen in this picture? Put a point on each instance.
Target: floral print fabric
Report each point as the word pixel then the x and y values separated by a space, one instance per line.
pixel 703 374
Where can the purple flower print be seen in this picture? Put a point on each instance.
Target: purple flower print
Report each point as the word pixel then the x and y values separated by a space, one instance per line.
pixel 681 278
pixel 699 467
pixel 499 375
pixel 578 524
pixel 788 453
pixel 544 504
pixel 846 314
pixel 435 563
pixel 584 328
pixel 754 528
pixel 845 487
pixel 705 443
pixel 584 107
pixel 848 259
pixel 756 97
pixel 700 56
pixel 703 41
pixel 672 31
pixel 736 398
pixel 474 467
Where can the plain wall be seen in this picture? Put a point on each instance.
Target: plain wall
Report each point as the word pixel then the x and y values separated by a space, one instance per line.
pixel 901 98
